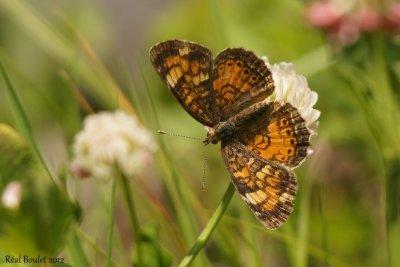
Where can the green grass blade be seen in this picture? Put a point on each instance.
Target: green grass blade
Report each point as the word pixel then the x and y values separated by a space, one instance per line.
pixel 85 238
pixel 78 58
pixel 303 224
pixel 112 223
pixel 209 228
pixel 76 251
pixel 133 217
pixel 21 119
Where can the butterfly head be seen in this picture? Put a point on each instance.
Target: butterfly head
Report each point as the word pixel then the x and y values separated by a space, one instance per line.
pixel 220 131
pixel 211 136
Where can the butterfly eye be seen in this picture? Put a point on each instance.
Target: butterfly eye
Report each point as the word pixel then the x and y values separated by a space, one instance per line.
pixel 246 71
pixel 229 64
pixel 262 84
pixel 253 78
pixel 239 64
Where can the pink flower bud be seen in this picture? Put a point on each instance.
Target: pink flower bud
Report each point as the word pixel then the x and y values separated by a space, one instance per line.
pixel 347 33
pixel 368 19
pixel 323 15
pixel 393 17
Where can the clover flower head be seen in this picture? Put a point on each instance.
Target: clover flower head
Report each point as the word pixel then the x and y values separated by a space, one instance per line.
pixel 111 142
pixel 11 197
pixel 293 88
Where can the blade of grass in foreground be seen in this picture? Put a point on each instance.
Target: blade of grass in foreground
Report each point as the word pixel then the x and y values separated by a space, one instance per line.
pixel 112 223
pixel 21 119
pixel 81 60
pixel 95 247
pixel 209 228
pixel 133 217
pixel 76 251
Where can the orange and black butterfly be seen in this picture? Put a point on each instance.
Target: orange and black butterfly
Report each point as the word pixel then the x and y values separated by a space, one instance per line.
pixel 261 141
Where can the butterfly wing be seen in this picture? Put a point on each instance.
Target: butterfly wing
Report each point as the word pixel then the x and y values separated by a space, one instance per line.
pixel 240 80
pixel 268 188
pixel 279 135
pixel 186 68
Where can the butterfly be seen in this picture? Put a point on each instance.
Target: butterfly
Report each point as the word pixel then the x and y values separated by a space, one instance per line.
pixel 261 141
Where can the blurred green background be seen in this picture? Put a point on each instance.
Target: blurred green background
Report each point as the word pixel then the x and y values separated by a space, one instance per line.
pixel 52 49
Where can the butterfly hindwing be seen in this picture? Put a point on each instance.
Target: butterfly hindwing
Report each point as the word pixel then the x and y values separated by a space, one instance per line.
pixel 240 80
pixel 267 187
pixel 279 135
pixel 186 68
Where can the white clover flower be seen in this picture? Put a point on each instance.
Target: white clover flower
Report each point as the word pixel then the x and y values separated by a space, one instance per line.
pixel 292 88
pixel 11 197
pixel 111 142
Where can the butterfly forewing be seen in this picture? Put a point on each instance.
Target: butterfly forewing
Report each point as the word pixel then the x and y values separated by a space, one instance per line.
pixel 268 188
pixel 240 80
pixel 186 68
pixel 280 135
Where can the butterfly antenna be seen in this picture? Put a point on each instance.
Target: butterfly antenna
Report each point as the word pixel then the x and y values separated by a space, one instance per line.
pixel 203 179
pixel 180 135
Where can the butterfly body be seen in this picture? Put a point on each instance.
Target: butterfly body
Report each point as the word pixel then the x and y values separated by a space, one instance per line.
pixel 261 140
pixel 226 130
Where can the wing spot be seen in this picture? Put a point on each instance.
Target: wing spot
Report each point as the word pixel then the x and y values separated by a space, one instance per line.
pixel 203 77
pixel 184 51
pixel 261 194
pixel 285 197
pixel 260 175
pixel 185 65
pixel 242 173
pixel 196 80
pixel 194 67
pixel 250 198
pixel 170 80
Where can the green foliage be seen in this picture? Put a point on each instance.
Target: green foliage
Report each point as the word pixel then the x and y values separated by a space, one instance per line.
pixel 153 253
pixel 45 216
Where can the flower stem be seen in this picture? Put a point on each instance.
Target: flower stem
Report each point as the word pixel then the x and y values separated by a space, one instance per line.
pixel 209 228
pixel 133 217
pixel 112 222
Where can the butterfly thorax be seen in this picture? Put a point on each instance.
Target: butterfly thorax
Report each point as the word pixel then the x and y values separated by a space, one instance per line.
pixel 226 129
